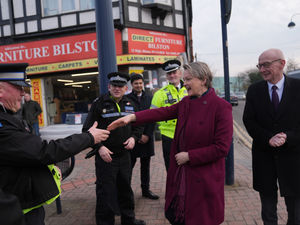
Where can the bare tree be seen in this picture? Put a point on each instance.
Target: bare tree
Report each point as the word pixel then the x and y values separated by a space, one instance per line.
pixel 248 77
pixel 291 65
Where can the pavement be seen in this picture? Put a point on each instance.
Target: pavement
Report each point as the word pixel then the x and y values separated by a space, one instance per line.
pixel 242 204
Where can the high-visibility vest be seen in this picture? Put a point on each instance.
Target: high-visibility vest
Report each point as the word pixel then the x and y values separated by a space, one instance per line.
pixel 167 96
pixel 57 177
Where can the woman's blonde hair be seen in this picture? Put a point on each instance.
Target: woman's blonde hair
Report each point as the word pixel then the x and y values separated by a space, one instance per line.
pixel 201 71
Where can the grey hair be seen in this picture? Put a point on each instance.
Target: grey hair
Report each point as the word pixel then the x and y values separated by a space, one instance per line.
pixel 201 71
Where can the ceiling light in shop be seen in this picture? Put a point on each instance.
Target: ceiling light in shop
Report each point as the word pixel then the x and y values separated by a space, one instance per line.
pixel 81 82
pixel 76 85
pixel 84 74
pixel 67 81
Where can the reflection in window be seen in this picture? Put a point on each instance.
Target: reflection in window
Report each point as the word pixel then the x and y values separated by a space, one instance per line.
pixel 68 5
pixel 87 4
pixel 50 7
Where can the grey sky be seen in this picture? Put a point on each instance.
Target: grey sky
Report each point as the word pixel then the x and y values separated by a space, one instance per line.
pixel 255 25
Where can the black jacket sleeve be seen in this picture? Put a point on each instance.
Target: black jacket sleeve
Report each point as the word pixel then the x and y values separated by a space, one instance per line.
pixel 38 109
pixel 137 131
pixel 20 148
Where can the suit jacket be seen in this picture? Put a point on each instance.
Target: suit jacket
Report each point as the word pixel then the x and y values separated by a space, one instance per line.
pixel 204 128
pixel 143 150
pixel 262 122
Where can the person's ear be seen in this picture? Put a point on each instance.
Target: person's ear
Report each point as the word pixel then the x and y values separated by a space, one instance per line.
pixel 282 62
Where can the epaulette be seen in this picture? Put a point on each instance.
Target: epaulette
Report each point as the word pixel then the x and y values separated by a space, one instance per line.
pixel 97 99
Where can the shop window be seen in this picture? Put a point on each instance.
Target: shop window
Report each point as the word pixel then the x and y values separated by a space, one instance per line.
pixel 54 7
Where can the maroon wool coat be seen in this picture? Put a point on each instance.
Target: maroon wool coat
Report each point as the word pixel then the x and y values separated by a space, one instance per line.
pixel 207 139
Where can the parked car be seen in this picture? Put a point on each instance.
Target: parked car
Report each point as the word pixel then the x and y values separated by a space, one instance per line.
pixel 241 95
pixel 233 98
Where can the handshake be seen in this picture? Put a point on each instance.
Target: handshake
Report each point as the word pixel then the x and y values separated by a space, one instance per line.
pixel 98 134
pixel 101 135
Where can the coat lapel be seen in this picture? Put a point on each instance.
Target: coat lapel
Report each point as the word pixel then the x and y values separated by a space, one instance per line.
pixel 266 100
pixel 284 98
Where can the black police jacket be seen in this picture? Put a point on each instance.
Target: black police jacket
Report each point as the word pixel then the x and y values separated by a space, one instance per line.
pixel 10 210
pixel 24 158
pixel 105 110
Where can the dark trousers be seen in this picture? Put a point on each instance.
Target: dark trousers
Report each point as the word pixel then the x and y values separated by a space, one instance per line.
pixel 35 216
pixel 113 190
pixel 269 209
pixel 145 171
pixel 36 129
pixel 166 146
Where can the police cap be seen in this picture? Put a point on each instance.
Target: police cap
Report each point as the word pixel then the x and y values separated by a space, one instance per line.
pixel 118 79
pixel 171 65
pixel 14 73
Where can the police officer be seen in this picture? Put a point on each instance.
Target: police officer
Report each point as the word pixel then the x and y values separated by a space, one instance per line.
pixel 113 164
pixel 24 157
pixel 167 96
pixel 144 149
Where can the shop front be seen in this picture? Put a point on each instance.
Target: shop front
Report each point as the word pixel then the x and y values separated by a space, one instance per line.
pixel 64 75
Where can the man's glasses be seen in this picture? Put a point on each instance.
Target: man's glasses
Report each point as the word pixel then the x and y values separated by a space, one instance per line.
pixel 266 64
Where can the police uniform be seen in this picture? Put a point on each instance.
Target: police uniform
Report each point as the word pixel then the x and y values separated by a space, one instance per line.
pixel 167 96
pixel 24 157
pixel 10 210
pixel 113 189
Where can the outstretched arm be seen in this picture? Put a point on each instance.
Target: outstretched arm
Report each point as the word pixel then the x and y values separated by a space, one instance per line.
pixel 121 122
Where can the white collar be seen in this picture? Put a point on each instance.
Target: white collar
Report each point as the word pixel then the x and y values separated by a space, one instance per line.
pixel 279 84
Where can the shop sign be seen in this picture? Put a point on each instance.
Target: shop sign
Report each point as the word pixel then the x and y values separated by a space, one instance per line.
pixel 155 43
pixel 142 59
pixel 55 50
pixel 92 63
pixel 63 66
pixel 36 95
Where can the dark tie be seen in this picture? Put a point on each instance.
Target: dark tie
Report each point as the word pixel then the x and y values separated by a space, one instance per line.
pixel 275 98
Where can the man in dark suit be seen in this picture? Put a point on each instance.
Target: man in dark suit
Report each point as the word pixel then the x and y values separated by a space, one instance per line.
pixel 272 118
pixel 144 149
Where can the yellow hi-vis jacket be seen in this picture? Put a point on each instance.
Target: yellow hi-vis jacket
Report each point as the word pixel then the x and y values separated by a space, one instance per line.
pixel 57 177
pixel 167 96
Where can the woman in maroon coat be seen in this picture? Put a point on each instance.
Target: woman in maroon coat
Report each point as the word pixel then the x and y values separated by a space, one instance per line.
pixel 195 179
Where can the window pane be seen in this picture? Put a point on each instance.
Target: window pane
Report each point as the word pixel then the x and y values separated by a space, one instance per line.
pixel 50 7
pixel 68 5
pixel 87 4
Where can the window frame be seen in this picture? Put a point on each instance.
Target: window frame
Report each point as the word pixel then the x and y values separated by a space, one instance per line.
pixel 60 9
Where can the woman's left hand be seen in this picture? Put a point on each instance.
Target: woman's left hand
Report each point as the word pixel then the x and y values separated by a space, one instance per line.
pixel 129 144
pixel 182 158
